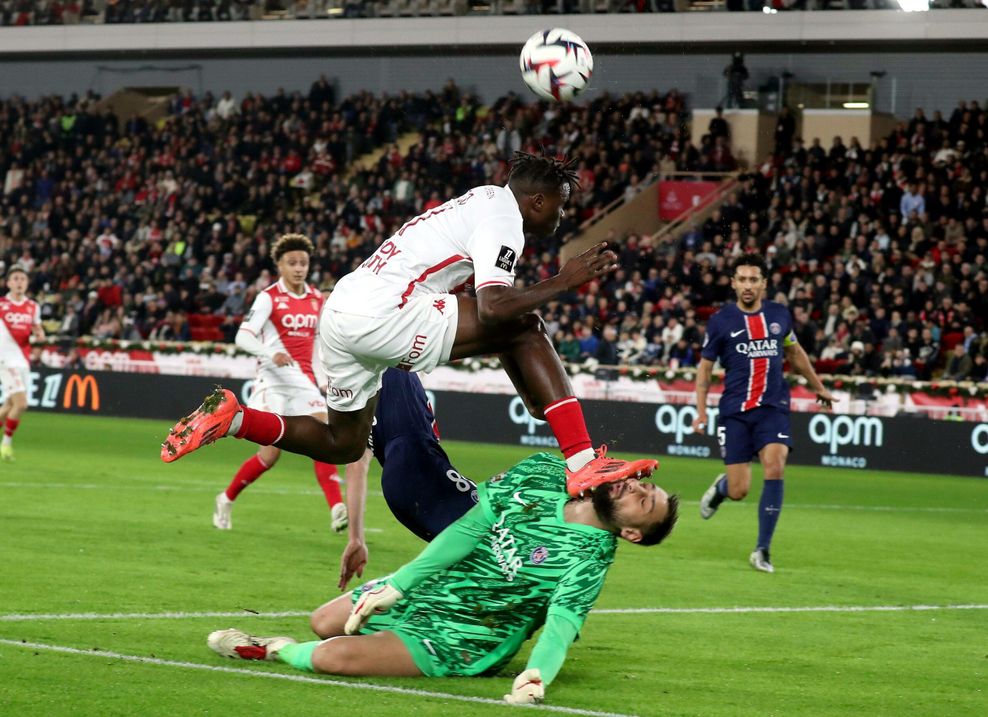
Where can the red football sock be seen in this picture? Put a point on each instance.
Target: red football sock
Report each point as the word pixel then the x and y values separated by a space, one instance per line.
pixel 11 426
pixel 250 470
pixel 261 427
pixel 565 418
pixel 328 478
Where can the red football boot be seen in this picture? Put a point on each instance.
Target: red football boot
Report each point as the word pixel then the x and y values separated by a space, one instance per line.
pixel 606 470
pixel 206 424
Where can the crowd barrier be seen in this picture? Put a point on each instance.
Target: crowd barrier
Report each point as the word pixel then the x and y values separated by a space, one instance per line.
pixel 821 439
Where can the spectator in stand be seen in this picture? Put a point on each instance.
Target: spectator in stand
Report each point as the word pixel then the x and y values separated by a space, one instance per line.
pixel 718 126
pixel 912 201
pixel 959 365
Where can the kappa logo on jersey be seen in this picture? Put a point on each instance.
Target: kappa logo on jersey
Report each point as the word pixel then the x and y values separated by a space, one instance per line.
pixel 759 348
pixel 295 322
pixel 439 305
pixel 506 259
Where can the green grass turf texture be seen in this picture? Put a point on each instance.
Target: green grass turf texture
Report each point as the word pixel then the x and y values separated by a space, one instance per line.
pixel 94 522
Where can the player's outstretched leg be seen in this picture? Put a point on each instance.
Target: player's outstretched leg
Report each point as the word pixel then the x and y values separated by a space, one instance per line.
pixel 534 367
pixel 342 440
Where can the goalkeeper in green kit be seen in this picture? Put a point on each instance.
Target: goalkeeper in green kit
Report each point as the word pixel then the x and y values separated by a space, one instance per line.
pixel 526 556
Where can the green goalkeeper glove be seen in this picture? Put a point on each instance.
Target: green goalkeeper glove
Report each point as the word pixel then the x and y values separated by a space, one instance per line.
pixel 527 688
pixel 378 600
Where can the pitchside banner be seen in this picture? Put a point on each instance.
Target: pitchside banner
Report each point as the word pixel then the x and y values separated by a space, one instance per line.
pixel 895 444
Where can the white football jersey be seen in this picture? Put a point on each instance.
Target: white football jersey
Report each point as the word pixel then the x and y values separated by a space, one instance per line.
pixel 285 323
pixel 478 234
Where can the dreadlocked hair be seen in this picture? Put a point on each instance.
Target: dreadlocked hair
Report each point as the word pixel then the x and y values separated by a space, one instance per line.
pixel 291 242
pixel 534 173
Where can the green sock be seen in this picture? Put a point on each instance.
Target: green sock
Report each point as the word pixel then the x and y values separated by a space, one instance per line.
pixel 299 656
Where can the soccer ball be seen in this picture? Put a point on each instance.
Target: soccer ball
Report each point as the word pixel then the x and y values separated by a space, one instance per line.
pixel 556 64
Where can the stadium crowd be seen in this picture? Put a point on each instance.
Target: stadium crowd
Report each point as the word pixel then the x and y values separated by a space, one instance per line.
pixel 70 12
pixel 135 231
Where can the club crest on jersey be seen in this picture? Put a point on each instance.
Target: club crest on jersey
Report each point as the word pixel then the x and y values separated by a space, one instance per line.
pixel 539 555
pixel 506 259
pixel 774 328
pixel 315 304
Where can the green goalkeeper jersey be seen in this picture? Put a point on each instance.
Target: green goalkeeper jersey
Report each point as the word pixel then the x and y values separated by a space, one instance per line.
pixel 498 573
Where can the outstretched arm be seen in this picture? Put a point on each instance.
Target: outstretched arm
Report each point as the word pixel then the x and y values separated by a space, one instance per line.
pixel 354 558
pixel 449 547
pixel 801 364
pixel 496 304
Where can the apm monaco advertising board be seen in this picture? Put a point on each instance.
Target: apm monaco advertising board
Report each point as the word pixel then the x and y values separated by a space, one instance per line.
pixel 822 439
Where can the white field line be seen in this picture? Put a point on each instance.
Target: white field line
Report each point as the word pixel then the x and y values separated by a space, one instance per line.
pixel 324 682
pixel 200 487
pixel 741 610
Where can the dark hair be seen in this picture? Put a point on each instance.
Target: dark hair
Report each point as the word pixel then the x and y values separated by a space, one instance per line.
pixel 755 260
pixel 532 173
pixel 659 531
pixel 291 242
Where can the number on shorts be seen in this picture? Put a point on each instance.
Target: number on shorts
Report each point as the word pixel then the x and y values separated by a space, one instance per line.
pixel 464 485
pixel 721 436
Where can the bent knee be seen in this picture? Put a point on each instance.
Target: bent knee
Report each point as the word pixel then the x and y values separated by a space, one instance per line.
pixel 737 493
pixel 320 623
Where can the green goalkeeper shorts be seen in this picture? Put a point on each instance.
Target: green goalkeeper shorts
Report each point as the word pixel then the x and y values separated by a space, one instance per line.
pixel 445 642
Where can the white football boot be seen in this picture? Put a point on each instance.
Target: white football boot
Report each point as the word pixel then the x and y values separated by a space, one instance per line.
pixel 235 643
pixel 760 561
pixel 340 518
pixel 707 505
pixel 222 518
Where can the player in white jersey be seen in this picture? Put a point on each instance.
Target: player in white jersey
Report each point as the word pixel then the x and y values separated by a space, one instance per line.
pixel 401 308
pixel 20 319
pixel 281 329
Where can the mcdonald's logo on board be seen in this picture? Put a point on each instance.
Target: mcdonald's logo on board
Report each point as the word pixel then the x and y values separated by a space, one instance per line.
pixel 84 389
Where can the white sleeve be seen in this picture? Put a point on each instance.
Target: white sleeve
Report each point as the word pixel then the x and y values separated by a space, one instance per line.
pixel 37 315
pixel 318 370
pixel 495 247
pixel 249 334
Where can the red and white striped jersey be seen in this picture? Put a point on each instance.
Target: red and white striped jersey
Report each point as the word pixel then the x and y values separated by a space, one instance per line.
pixel 284 322
pixel 17 320
pixel 479 233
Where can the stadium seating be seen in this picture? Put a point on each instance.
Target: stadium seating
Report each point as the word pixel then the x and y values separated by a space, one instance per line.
pixel 152 237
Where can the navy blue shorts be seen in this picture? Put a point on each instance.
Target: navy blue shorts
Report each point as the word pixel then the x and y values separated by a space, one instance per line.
pixel 742 435
pixel 421 487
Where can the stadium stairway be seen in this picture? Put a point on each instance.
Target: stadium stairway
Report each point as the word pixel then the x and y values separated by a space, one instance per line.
pixel 369 160
pixel 640 215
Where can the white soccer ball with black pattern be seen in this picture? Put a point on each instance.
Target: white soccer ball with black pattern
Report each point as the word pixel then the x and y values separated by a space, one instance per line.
pixel 556 64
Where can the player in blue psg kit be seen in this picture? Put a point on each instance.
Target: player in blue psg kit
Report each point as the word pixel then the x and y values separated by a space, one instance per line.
pixel 751 339
pixel 421 487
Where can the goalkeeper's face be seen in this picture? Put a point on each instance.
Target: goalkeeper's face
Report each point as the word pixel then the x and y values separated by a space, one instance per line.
pixel 631 508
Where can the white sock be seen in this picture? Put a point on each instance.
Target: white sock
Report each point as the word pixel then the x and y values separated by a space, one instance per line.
pixel 235 424
pixel 7 440
pixel 576 461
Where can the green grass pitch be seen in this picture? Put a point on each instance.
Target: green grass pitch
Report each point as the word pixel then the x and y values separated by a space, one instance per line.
pixel 93 522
